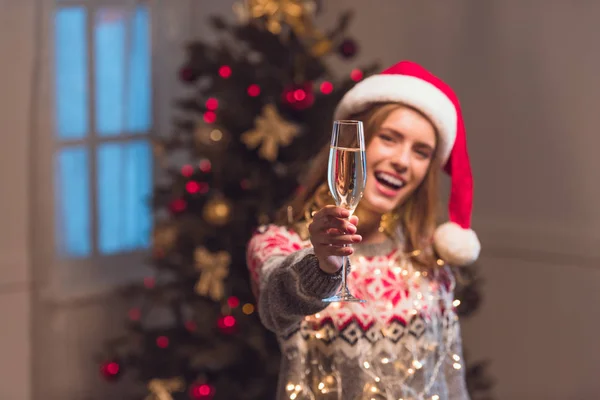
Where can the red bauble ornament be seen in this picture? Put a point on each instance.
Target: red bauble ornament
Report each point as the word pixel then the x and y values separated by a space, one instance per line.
pixel 162 342
pixel 177 206
pixel 299 97
pixel 201 391
pixel 348 48
pixel 253 90
pixel 225 71
pixel 187 74
pixel 227 324
pixel 110 370
pixel 356 75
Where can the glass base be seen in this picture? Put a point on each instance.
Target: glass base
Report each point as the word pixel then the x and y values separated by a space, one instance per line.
pixel 343 297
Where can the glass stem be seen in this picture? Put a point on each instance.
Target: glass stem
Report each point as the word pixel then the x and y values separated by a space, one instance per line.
pixel 345 265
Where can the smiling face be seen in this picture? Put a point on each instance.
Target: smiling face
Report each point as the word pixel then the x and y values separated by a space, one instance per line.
pixel 398 159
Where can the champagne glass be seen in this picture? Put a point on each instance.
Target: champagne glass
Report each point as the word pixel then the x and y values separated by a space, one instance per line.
pixel 347 176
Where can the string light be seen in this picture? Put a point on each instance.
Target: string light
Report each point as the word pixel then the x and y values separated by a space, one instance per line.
pixel 429 294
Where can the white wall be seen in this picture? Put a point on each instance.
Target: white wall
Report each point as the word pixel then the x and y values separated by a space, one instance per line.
pixel 15 278
pixel 526 73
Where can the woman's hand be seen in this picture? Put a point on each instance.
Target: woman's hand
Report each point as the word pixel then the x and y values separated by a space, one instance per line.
pixel 330 230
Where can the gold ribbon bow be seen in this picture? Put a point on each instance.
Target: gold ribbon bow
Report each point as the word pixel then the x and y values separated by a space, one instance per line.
pixel 214 268
pixel 161 389
pixel 271 132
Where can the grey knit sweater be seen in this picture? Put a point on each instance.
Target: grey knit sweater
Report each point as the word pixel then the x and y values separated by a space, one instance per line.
pixel 404 343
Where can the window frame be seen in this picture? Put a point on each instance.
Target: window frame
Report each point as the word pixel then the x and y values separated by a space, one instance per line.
pixel 67 279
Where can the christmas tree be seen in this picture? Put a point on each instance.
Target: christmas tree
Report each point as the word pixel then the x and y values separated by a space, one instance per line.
pixel 261 100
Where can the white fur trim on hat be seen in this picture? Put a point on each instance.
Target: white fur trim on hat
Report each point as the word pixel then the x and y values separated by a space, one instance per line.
pixel 455 245
pixel 409 90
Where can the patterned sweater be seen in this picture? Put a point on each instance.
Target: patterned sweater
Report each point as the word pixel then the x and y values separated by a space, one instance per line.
pixel 403 343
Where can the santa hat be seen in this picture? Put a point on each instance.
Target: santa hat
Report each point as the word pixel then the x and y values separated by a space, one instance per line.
pixel 411 84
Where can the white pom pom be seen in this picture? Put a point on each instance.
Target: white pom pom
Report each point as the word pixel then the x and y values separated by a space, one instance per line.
pixel 455 245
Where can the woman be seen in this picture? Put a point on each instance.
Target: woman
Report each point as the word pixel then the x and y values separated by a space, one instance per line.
pixel 404 342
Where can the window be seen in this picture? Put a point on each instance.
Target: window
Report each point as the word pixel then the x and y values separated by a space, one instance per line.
pixel 102 108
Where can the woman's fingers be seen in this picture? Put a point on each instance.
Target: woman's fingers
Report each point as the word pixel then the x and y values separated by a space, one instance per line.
pixel 339 251
pixel 339 240
pixel 330 218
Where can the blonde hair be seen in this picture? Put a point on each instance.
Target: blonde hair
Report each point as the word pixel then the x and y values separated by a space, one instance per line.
pixel 417 216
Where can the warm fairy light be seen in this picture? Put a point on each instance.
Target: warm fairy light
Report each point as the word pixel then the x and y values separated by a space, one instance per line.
pixel 385 360
pixel 290 386
pixel 456 357
pixel 440 262
pixel 418 274
pixel 317 315
pixel 410 371
pixel 417 364
pixel 457 366
pixel 216 135
pixel 405 272
pixel 456 303
pixel 366 364
pixel 373 389
pixel 377 271
pixel 435 397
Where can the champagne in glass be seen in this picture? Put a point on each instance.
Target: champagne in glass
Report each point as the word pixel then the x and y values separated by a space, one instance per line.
pixel 347 176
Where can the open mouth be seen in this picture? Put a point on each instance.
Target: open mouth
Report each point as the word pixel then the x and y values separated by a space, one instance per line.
pixel 389 181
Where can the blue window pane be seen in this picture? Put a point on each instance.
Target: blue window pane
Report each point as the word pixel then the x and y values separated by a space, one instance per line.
pixel 72 201
pixel 110 73
pixel 124 185
pixel 122 62
pixel 139 93
pixel 70 67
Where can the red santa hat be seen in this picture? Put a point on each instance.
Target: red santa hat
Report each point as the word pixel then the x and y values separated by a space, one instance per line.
pixel 409 83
